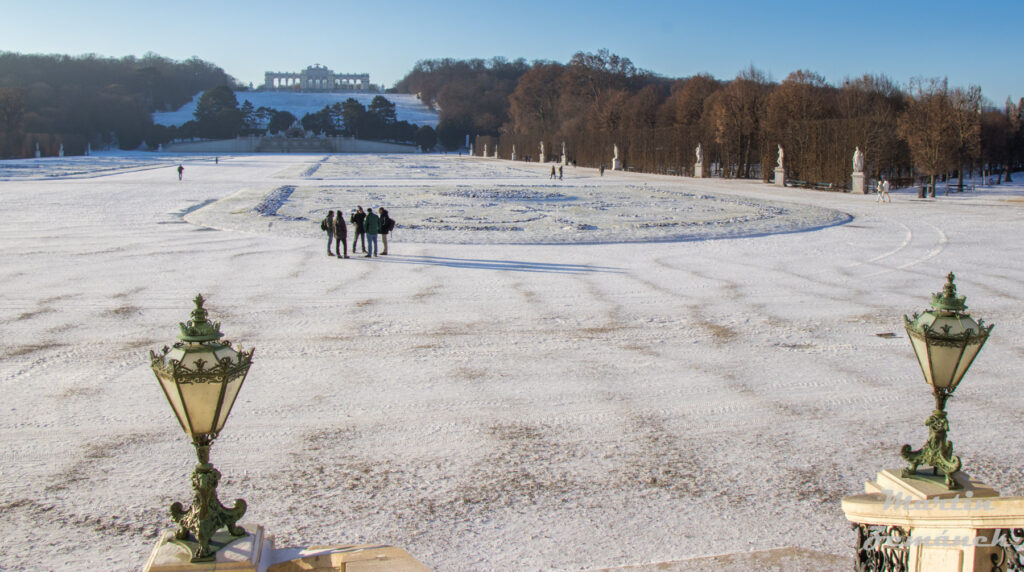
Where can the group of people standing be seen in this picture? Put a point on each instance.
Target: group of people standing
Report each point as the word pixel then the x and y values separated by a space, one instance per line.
pixel 367 226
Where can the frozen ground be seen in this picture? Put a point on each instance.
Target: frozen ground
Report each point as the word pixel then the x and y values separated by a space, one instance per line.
pixel 487 398
pixel 407 107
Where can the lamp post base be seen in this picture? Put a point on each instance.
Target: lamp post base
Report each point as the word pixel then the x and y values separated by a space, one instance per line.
pixel 206 516
pixel 249 552
pixel 936 452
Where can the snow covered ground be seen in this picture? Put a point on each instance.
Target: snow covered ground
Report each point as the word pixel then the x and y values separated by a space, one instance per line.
pixel 407 107
pixel 488 395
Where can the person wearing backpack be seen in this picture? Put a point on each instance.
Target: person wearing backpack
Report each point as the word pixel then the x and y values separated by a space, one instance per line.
pixel 328 225
pixel 372 226
pixel 340 234
pixel 357 221
pixel 386 224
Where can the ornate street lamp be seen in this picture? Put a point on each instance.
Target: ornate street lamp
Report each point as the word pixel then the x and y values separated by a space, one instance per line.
pixel 946 340
pixel 201 377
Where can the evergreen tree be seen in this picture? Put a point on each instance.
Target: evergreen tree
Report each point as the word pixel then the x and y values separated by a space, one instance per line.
pixel 217 114
pixel 426 138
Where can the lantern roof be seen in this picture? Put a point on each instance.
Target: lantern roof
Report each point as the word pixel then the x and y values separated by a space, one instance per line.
pixel 198 329
pixel 947 300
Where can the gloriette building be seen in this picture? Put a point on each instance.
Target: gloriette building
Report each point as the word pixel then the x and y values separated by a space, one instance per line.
pixel 316 78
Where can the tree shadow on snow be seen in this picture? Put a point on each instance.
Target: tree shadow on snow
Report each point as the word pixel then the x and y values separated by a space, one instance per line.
pixel 510 265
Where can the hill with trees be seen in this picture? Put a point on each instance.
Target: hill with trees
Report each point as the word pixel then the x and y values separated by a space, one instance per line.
pixel 80 100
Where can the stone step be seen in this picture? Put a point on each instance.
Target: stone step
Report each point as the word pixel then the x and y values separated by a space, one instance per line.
pixel 787 559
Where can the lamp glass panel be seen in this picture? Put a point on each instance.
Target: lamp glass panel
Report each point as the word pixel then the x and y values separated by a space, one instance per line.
pixel 944 360
pixel 970 352
pixel 201 396
pixel 171 391
pixel 201 402
pixel 234 384
pixel 921 351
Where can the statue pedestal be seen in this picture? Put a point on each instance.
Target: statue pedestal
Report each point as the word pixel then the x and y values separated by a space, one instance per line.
pixel 780 177
pixel 698 170
pixel 616 164
pixel 858 184
pixel 514 157
pixel 256 553
pixel 542 158
pixel 564 161
pixel 923 525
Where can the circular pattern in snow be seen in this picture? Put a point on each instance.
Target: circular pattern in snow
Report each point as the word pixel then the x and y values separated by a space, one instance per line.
pixel 437 199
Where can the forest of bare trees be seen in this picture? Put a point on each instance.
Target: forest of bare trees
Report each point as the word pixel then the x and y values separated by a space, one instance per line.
pixel 922 130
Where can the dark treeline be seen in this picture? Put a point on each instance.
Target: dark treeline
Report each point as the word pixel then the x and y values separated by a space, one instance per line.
pixel 80 100
pixel 219 116
pixel 472 95
pixel 599 100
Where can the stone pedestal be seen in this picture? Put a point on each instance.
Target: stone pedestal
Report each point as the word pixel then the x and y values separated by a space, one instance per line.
pixel 698 170
pixel 255 552
pixel 246 553
pixel 542 158
pixel 780 177
pixel 564 161
pixel 919 522
pixel 616 164
pixel 858 184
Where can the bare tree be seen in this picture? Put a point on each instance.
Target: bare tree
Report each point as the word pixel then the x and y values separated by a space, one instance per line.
pixel 736 113
pixel 927 127
pixel 966 104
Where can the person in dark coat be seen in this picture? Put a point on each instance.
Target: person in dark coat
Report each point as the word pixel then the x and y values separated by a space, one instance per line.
pixel 385 227
pixel 372 227
pixel 328 225
pixel 181 169
pixel 357 221
pixel 340 234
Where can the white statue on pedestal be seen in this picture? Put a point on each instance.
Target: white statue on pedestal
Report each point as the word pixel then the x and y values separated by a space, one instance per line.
pixel 616 162
pixel 542 157
pixel 60 153
pixel 858 160
pixel 565 160
pixel 485 149
pixel 514 157
pixel 782 154
pixel 38 154
pixel 88 149
pixel 700 154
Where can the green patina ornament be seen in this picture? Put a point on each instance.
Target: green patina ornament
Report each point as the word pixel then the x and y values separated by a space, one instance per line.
pixel 945 340
pixel 201 377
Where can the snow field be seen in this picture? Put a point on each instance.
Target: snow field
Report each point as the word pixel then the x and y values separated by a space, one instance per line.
pixel 485 403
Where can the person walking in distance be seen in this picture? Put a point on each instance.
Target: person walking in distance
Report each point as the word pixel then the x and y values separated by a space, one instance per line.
pixel 552 172
pixel 559 172
pixel 371 226
pixel 386 224
pixel 883 191
pixel 357 221
pixel 340 235
pixel 328 225
pixel 181 169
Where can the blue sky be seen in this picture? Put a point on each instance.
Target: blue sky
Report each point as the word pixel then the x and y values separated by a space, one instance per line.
pixel 968 42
